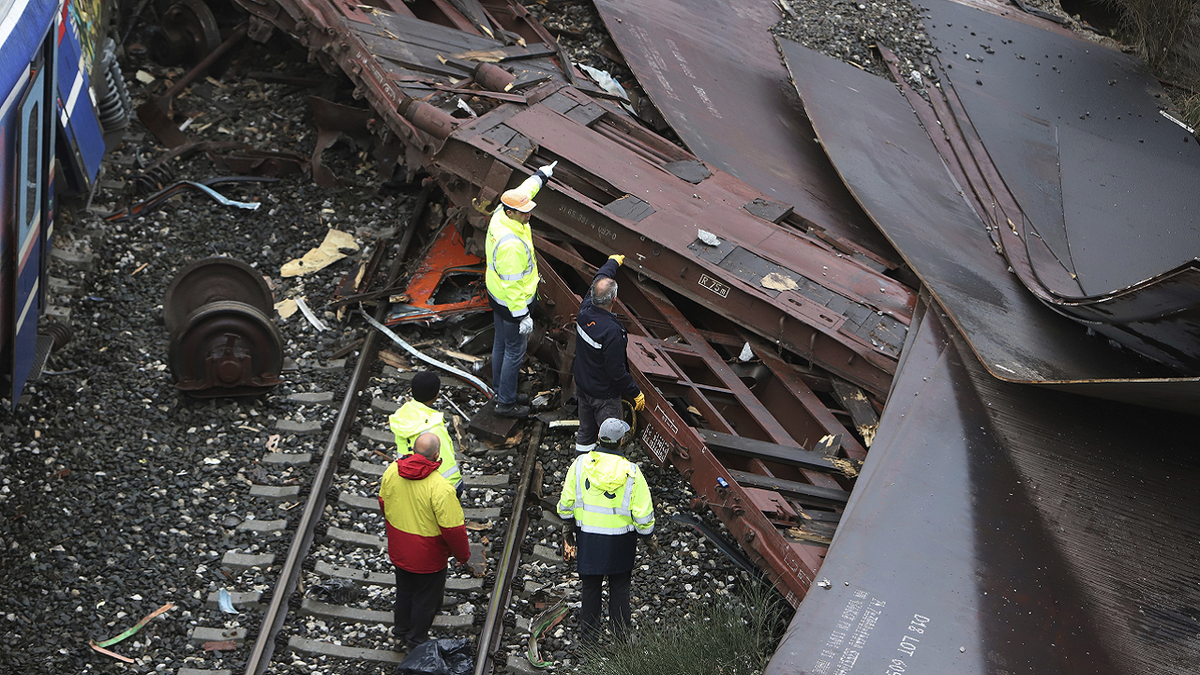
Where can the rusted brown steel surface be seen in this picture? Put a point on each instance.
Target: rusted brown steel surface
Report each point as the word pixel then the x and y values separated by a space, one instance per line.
pixel 741 445
pixel 617 181
pixel 1100 175
pixel 712 70
pixel 981 539
pixel 1136 316
pixel 222 339
pixel 614 190
pixel 743 433
pixel 890 163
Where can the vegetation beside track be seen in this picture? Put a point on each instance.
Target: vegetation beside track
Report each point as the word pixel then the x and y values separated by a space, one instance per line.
pixel 733 637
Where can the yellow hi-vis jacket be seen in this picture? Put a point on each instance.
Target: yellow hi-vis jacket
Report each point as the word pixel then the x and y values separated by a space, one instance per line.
pixel 606 494
pixel 512 275
pixel 415 418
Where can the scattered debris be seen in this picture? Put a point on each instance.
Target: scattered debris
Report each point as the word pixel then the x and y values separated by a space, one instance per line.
pixel 479 384
pixel 308 314
pixel 448 283
pixel 286 308
pixel 337 245
pixel 225 601
pixel 153 202
pixel 779 282
pixel 100 646
pixel 544 622
pixel 337 590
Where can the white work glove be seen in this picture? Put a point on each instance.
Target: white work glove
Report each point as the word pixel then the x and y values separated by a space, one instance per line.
pixel 548 170
pixel 526 325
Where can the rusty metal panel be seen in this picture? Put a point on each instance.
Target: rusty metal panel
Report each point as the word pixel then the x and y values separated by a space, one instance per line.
pixel 890 163
pixel 966 549
pixel 595 170
pixel 712 70
pixel 670 437
pixel 885 332
pixel 1044 103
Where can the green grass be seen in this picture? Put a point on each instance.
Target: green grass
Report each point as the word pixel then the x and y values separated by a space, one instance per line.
pixel 733 637
pixel 1189 108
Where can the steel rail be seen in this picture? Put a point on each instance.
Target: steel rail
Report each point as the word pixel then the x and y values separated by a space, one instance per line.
pixel 493 626
pixel 264 646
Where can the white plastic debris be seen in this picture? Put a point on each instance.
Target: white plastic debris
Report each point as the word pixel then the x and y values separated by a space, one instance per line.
pixel 308 314
pixel 746 354
pixel 708 238
pixel 824 583
pixel 607 83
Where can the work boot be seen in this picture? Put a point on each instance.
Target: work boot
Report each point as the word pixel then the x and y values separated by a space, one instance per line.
pixel 512 410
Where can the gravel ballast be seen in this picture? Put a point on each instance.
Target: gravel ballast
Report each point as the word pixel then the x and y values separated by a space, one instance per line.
pixel 119 495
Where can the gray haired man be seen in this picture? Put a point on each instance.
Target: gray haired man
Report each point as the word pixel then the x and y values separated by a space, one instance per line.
pixel 601 371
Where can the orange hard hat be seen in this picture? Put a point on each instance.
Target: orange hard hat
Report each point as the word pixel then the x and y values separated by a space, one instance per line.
pixel 516 201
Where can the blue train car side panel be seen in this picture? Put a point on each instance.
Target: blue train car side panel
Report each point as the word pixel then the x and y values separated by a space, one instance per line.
pixel 8 137
pixel 80 127
pixel 23 30
pixel 33 180
pixel 28 121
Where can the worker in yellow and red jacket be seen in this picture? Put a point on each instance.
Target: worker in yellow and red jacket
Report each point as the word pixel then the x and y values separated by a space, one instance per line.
pixel 425 526
pixel 512 282
pixel 606 506
pixel 417 416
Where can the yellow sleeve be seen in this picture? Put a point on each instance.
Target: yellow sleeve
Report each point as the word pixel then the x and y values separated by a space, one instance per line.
pixel 641 506
pixel 566 501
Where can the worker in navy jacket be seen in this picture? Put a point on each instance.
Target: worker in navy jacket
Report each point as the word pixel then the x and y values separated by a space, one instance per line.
pixel 601 372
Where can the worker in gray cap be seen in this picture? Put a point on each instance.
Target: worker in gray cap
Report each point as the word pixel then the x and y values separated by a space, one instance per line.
pixel 605 507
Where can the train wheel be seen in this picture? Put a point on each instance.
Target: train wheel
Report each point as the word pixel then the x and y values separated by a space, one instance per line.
pixel 226 348
pixel 188 32
pixel 214 280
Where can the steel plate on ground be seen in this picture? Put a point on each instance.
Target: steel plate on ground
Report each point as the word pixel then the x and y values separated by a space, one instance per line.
pixel 712 70
pixel 1025 88
pixel 890 164
pixel 1005 528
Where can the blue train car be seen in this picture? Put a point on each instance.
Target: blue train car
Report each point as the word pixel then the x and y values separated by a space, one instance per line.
pixel 51 141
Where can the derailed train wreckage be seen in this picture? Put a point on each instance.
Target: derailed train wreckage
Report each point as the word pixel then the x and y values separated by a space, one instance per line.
pixel 997 525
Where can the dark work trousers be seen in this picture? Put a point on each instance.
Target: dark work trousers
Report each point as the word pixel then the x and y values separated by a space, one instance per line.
pixel 592 413
pixel 418 599
pixel 508 353
pixel 618 605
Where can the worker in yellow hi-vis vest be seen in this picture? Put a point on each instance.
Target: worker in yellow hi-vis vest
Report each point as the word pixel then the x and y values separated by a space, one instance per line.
pixel 417 416
pixel 512 281
pixel 605 507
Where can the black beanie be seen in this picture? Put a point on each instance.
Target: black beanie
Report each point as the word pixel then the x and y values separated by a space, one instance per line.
pixel 425 386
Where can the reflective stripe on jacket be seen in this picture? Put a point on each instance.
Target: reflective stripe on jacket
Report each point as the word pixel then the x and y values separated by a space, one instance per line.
pixel 415 418
pixel 425 524
pixel 601 368
pixel 606 494
pixel 512 275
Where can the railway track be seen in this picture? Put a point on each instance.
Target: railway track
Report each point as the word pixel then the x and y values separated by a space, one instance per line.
pixel 333 597
pixel 333 593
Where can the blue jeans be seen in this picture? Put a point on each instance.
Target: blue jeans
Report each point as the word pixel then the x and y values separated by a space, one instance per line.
pixel 508 353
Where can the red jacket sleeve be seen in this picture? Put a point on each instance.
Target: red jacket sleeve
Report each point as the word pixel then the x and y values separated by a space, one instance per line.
pixel 456 539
